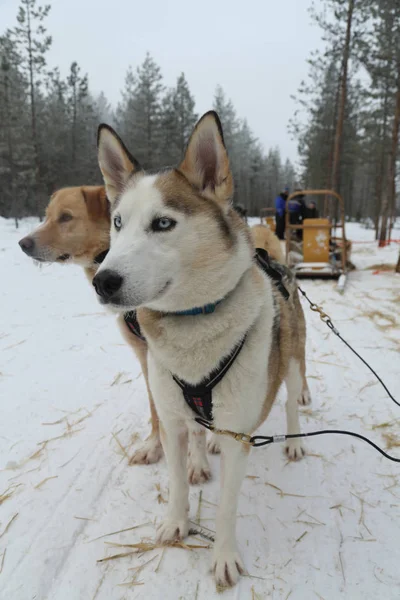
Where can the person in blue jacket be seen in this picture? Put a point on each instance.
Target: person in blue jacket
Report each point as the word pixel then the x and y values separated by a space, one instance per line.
pixel 280 213
pixel 297 211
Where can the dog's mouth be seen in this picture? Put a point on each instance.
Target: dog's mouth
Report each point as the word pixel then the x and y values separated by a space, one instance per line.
pixel 119 303
pixel 61 258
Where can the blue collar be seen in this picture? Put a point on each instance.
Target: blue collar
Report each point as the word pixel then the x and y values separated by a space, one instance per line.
pixel 198 310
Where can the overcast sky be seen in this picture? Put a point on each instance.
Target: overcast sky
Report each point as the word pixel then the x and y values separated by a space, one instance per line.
pixel 255 49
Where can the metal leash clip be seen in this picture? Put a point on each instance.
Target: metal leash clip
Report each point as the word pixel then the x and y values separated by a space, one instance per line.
pixel 239 437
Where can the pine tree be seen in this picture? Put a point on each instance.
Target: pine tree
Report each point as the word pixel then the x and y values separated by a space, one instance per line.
pixel 178 120
pixel 275 181
pixel 289 175
pixel 330 143
pixel 78 90
pixel 169 148
pixel 229 120
pixel 54 124
pixel 103 109
pixel 33 44
pixel 16 170
pixel 383 64
pixel 125 109
pixel 139 115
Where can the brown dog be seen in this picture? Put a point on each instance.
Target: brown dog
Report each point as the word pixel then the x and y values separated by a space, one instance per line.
pixel 77 230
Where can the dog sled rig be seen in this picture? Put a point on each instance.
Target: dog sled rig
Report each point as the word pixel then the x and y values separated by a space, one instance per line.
pixel 316 247
pixel 199 397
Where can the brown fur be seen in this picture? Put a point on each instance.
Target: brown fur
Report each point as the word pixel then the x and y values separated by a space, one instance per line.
pixel 200 171
pixel 263 237
pixel 85 235
pixel 117 168
pixel 290 343
pixel 140 349
pixel 179 194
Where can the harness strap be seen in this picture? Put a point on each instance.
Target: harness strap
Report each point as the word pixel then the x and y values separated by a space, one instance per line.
pixel 132 323
pixel 199 397
pixel 263 260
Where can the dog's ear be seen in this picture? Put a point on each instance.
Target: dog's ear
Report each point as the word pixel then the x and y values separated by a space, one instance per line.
pixel 115 161
pixel 206 163
pixel 96 201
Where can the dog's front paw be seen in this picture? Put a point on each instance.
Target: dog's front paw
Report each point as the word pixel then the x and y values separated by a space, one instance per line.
pixel 172 530
pixel 198 469
pixel 294 449
pixel 150 452
pixel 227 568
pixel 304 398
pixel 213 445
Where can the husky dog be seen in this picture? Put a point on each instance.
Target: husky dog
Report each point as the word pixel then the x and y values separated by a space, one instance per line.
pixel 184 259
pixel 77 231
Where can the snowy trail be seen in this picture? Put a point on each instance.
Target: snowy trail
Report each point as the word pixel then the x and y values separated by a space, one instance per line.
pixel 71 394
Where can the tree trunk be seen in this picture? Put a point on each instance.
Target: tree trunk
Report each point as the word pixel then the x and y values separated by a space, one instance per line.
pixel 33 115
pixel 73 154
pixel 393 157
pixel 342 100
pixel 382 191
pixel 398 265
pixel 329 170
pixel 10 148
pixel 150 164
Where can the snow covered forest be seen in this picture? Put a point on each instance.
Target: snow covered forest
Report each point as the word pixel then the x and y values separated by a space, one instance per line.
pixel 48 124
pixel 348 114
pixel 346 123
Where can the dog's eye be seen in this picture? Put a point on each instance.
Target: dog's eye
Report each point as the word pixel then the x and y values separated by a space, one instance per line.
pixel 117 222
pixel 65 217
pixel 162 224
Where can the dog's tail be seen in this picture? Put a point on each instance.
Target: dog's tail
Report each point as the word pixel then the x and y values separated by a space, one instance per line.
pixel 263 237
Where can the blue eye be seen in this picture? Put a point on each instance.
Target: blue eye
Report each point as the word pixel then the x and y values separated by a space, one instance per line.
pixel 117 222
pixel 162 224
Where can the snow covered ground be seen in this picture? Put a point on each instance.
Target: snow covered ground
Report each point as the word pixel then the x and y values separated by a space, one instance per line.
pixel 72 396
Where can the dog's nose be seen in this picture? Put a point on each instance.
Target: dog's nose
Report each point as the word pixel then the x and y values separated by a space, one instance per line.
pixel 27 244
pixel 107 283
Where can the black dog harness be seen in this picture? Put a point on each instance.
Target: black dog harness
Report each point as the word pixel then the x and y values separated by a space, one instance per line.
pixel 199 397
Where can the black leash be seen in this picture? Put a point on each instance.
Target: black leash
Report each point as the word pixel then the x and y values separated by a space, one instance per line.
pixel 326 319
pixel 259 440
pixel 262 440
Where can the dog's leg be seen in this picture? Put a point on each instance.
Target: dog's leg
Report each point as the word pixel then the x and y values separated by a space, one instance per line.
pixel 198 467
pixel 227 564
pixel 174 438
pixel 294 385
pixel 305 396
pixel 213 445
pixel 151 451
